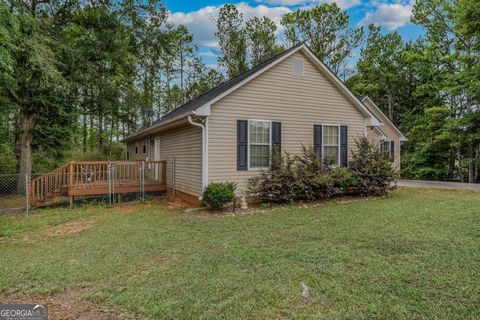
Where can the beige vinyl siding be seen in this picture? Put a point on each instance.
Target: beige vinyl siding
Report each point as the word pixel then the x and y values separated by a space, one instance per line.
pixel 390 132
pixel 298 102
pixel 374 135
pixel 140 155
pixel 185 144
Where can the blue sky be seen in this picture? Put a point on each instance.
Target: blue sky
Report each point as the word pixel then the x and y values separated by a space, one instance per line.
pixel 197 15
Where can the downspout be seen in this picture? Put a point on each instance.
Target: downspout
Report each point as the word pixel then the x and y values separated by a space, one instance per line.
pixel 204 127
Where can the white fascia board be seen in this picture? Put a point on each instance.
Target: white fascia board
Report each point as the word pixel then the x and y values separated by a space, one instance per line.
pixel 373 122
pixel 402 137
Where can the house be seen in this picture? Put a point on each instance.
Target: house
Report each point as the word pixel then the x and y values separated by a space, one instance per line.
pixel 227 133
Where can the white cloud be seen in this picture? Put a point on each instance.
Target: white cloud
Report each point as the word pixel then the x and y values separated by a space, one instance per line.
pixel 202 25
pixel 390 16
pixel 208 54
pixel 344 4
pixel 199 23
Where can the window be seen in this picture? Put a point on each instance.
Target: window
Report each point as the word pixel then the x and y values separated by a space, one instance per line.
pixel 385 148
pixel 331 144
pixel 144 147
pixel 259 141
pixel 128 155
pixel 136 149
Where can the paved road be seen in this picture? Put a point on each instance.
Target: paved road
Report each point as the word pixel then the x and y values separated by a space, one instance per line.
pixel 439 185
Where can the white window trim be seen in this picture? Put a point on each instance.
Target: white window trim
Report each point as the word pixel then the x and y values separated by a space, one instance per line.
pixel 389 146
pixel 248 144
pixel 331 145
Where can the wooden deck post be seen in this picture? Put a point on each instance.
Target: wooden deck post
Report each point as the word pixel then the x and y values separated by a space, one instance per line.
pixel 70 182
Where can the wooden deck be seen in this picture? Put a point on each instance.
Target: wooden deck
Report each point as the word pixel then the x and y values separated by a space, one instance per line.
pixel 99 178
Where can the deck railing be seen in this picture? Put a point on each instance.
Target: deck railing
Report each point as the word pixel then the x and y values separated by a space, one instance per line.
pixel 101 177
pixel 48 184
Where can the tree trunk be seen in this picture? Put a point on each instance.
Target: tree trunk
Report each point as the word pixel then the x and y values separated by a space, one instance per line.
pixel 111 139
pixel 101 143
pixel 451 165
pixel 27 123
pixel 181 76
pixel 390 106
pixel 460 164
pixel 472 154
pixel 90 141
pixel 85 133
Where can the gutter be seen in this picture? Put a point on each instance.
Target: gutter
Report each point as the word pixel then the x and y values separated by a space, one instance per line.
pixel 204 127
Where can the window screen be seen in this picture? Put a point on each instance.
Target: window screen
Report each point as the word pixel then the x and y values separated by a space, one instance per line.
pixel 259 143
pixel 331 147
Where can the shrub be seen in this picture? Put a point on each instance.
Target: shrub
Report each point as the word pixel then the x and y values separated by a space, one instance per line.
pixel 314 181
pixel 343 179
pixel 276 184
pixel 306 178
pixel 293 178
pixel 218 194
pixel 373 172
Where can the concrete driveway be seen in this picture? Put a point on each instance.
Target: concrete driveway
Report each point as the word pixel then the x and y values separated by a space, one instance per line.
pixel 439 185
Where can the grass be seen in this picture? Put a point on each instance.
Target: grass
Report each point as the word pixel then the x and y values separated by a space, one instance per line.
pixel 412 255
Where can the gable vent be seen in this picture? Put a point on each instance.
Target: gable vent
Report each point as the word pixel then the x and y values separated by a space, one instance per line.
pixel 297 67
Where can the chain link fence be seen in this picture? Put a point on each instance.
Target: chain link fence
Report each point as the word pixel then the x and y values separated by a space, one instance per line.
pixel 82 183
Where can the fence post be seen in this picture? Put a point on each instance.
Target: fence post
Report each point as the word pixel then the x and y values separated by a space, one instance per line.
pixel 173 180
pixel 27 195
pixel 109 177
pixel 142 181
pixel 113 183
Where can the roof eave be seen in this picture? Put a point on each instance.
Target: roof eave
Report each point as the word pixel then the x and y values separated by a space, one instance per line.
pixel 402 136
pixel 148 131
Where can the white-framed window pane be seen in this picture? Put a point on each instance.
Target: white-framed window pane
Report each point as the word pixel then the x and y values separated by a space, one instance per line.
pixel 330 135
pixel 259 156
pixel 259 134
pixel 331 146
pixel 385 147
pixel 331 154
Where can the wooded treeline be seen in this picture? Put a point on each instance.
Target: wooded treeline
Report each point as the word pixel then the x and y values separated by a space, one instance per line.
pixel 77 76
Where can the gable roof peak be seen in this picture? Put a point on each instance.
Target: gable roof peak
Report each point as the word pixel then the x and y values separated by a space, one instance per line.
pixel 216 93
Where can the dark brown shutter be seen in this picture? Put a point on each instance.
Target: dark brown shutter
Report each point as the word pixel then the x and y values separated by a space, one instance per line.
pixel 277 138
pixel 343 146
pixel 317 140
pixel 242 144
pixel 392 150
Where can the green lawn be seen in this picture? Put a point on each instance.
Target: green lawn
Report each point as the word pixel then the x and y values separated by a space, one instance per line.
pixel 412 255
